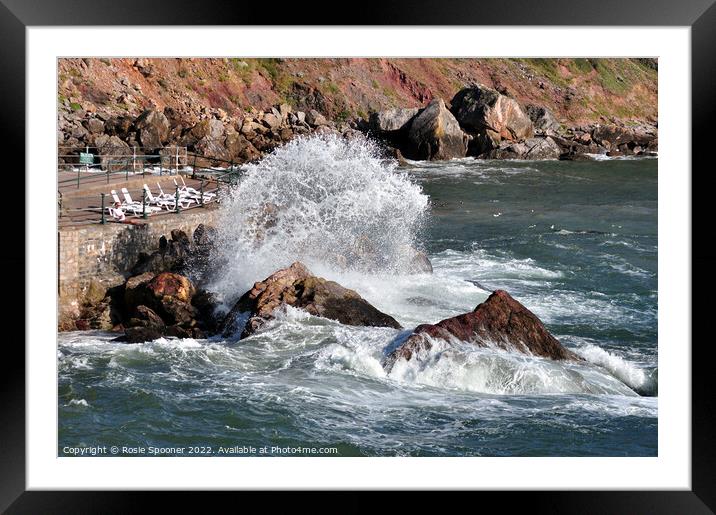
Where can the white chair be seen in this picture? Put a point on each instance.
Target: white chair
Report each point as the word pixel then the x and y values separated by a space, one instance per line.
pixel 134 205
pixel 184 201
pixel 167 203
pixel 194 193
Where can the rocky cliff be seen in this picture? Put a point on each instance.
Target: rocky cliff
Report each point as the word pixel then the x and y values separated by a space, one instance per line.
pixel 217 106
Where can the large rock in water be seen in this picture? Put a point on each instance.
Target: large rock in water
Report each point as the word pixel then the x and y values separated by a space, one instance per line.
pixel 491 117
pixel 296 286
pixel 500 321
pixel 436 134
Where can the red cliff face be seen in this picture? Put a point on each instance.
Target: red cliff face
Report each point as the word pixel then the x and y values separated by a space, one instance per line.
pixel 577 91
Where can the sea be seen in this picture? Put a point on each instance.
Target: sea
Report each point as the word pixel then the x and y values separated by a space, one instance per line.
pixel 575 242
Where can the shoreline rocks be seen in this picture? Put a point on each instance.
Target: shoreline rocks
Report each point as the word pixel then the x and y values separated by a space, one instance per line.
pixel 296 286
pixel 500 321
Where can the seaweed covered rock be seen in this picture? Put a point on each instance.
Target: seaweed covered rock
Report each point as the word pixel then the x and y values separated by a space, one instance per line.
pixel 296 286
pixel 499 321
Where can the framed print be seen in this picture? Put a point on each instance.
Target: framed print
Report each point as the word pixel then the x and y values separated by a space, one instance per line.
pixel 396 255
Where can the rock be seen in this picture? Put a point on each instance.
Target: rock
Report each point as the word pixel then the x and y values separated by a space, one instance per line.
pixel 206 304
pixel 315 119
pixel 531 148
pixel 145 317
pixel 613 136
pixel 95 126
pixel 420 263
pixel 391 119
pixel 284 110
pixel 204 235
pixel 168 285
pixel 171 257
pixel 211 128
pixel 436 134
pixel 102 316
pixel 491 117
pixel 212 149
pixel 134 290
pixel 272 121
pixel 139 334
pixel 499 321
pixel 153 129
pixel 118 126
pixel 178 331
pixel 543 120
pixel 296 286
pixel 111 148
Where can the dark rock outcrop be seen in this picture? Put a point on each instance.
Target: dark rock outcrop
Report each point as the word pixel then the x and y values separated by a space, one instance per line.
pixel 435 134
pixel 490 117
pixel 172 256
pixel 296 286
pixel 500 321
pixel 531 148
pixel 545 124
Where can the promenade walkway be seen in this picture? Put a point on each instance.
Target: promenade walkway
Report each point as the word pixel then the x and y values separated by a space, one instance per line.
pixel 82 205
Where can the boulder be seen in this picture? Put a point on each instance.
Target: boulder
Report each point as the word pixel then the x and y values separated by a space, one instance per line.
pixel 111 149
pixel 436 134
pixel 491 117
pixel 95 126
pixel 543 120
pixel 211 149
pixel 140 334
pixel 153 129
pixel 118 126
pixel 296 286
pixel 145 317
pixel 531 148
pixel 206 305
pixel 168 285
pixel 391 120
pixel 315 119
pixel 172 256
pixel 614 136
pixel 272 121
pixel 211 128
pixel 134 290
pixel 500 321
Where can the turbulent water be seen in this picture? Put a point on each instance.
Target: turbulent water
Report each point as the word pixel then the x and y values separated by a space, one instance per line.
pixel 575 242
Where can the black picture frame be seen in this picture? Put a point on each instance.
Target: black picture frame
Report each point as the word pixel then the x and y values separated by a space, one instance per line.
pixel 699 15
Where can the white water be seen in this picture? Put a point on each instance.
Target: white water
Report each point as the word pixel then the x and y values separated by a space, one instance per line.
pixel 336 206
pixel 331 203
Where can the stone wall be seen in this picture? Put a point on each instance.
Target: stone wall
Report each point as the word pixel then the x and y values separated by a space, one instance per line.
pixel 105 253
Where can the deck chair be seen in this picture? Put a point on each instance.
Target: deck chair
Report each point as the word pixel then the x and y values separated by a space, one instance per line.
pixel 193 192
pixel 167 203
pixel 134 204
pixel 184 201
pixel 207 196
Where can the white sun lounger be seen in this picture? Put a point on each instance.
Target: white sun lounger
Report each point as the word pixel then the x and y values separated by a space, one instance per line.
pixel 131 202
pixel 159 201
pixel 184 201
pixel 194 193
